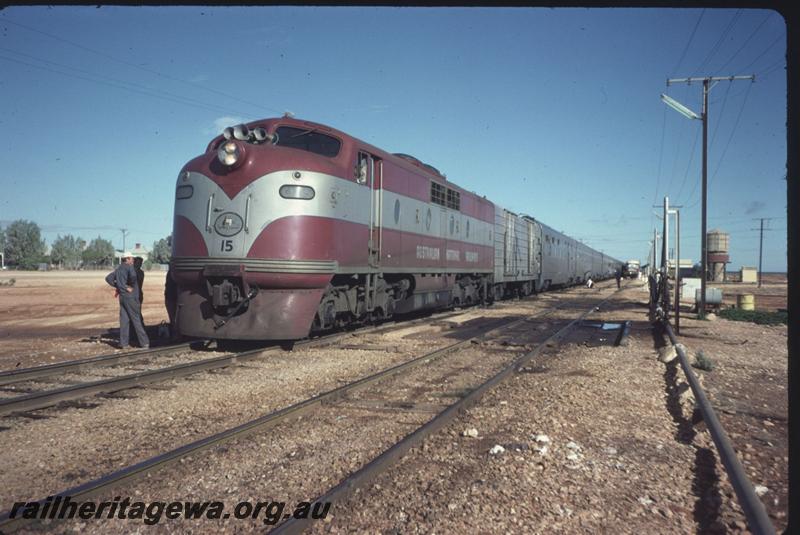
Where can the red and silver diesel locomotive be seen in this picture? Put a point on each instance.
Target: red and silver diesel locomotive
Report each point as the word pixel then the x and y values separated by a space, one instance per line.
pixel 283 227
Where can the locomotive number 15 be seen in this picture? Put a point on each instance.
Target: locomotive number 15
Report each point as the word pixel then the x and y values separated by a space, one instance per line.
pixel 226 246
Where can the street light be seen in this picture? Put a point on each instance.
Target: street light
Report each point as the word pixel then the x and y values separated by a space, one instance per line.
pixel 686 112
pixel 680 108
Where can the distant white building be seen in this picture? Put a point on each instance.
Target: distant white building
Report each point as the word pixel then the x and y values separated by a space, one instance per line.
pixel 749 274
pixel 138 250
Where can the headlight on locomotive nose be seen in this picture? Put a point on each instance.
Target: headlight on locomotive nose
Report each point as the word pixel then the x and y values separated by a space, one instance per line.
pixel 292 191
pixel 229 153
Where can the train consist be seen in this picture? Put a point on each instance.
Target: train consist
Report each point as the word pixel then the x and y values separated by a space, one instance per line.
pixel 284 227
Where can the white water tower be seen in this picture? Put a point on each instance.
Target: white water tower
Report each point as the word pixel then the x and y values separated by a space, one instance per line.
pixel 717 244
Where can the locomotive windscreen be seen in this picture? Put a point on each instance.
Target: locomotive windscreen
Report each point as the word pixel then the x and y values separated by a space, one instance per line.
pixel 316 142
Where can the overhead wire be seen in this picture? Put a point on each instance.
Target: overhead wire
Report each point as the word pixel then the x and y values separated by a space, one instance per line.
pixel 721 114
pixel 689 42
pixel 733 131
pixel 677 151
pixel 727 145
pixel 708 57
pixel 660 152
pixel 71 228
pixel 664 116
pixel 689 165
pixel 720 40
pixel 769 47
pixel 116 82
pixel 780 64
pixel 752 34
pixel 135 66
pixel 179 100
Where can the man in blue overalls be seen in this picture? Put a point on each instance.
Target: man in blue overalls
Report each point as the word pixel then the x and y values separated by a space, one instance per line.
pixel 130 309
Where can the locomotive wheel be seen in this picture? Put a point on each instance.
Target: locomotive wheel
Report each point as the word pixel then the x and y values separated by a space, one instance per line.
pixel 389 308
pixel 498 292
pixel 325 318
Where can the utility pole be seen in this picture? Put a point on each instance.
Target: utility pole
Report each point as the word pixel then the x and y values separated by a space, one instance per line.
pixel 665 255
pixel 760 251
pixel 680 108
pixel 655 248
pixel 677 214
pixel 761 246
pixel 124 234
pixel 665 258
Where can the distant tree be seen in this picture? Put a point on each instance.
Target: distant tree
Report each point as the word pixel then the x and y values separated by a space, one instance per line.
pixel 3 242
pixel 99 252
pixel 162 251
pixel 66 251
pixel 24 245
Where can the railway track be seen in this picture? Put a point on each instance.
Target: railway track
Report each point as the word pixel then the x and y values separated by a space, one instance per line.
pixel 365 474
pixel 25 379
pixel 39 372
pixel 340 397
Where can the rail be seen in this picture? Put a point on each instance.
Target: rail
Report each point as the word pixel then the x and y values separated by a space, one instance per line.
pixel 268 421
pixel 379 464
pixel 47 398
pixel 754 511
pixel 38 372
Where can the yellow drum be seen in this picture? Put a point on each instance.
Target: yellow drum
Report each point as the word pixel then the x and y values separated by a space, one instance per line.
pixel 746 301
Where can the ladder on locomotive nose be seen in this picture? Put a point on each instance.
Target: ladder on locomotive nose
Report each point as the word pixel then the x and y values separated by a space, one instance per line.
pixel 375 181
pixel 372 174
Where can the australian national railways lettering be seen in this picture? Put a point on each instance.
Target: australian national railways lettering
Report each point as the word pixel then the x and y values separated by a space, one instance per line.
pixel 452 255
pixel 427 253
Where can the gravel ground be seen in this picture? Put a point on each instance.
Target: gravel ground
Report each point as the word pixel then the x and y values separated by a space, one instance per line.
pixel 301 460
pixel 154 419
pixel 621 452
pixel 622 455
pixel 43 455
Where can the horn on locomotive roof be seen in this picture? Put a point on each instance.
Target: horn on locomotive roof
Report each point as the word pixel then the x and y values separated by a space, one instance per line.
pixel 259 133
pixel 241 132
pixel 228 132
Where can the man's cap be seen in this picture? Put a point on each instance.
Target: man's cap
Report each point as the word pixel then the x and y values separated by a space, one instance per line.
pixel 127 254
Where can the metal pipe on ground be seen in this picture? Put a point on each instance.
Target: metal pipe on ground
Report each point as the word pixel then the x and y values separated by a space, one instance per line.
pixel 624 334
pixel 754 511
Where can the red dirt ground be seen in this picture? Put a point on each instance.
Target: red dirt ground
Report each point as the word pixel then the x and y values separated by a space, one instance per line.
pixel 47 317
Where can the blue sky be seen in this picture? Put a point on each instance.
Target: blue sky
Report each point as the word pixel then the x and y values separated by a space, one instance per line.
pixel 551 112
